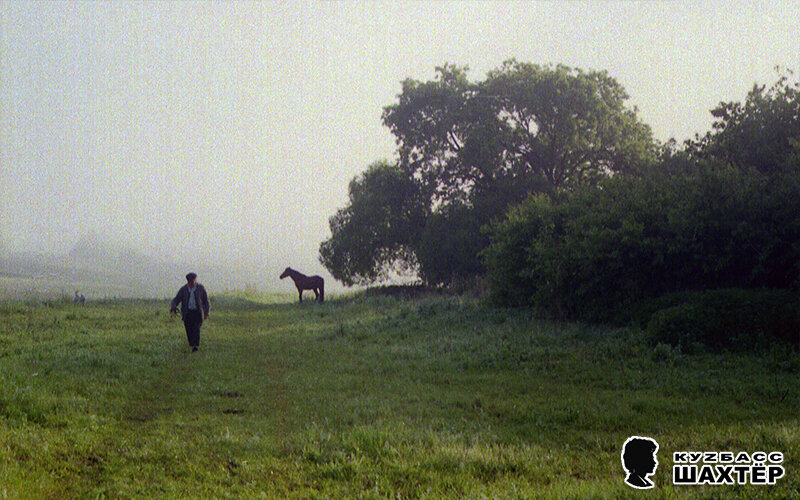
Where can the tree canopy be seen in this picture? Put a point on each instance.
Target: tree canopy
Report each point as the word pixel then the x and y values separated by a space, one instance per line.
pixel 762 133
pixel 375 232
pixel 721 213
pixel 525 128
pixel 469 150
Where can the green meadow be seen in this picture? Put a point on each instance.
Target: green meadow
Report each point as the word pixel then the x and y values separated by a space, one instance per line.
pixel 367 396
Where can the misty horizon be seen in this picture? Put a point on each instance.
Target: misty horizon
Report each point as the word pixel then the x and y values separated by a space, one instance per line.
pixel 98 269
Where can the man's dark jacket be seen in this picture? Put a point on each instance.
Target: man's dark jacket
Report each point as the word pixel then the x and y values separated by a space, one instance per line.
pixel 182 298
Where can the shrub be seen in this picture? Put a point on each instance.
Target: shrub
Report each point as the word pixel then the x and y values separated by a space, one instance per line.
pixel 598 252
pixel 733 319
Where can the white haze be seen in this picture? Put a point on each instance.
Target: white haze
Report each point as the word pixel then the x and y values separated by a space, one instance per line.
pixel 225 134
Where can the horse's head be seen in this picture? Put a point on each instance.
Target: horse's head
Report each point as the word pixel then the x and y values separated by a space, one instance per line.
pixel 286 272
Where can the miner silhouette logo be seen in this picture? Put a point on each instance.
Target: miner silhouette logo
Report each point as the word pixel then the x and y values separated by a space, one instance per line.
pixel 639 461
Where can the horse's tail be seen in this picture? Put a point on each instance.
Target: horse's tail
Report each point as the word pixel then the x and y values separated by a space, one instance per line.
pixel 321 291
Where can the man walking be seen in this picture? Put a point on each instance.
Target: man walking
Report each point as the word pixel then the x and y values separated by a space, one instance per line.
pixel 194 308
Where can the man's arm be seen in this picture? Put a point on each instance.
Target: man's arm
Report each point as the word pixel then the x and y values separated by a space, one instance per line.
pixel 204 300
pixel 173 307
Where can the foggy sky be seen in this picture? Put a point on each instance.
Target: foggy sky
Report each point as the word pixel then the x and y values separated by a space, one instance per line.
pixel 228 132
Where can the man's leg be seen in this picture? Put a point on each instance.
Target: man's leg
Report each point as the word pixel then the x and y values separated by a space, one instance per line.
pixel 193 329
pixel 195 342
pixel 187 323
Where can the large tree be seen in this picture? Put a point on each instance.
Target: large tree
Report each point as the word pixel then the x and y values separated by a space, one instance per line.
pixel 525 128
pixel 469 150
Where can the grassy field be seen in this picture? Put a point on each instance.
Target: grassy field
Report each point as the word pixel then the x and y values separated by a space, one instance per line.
pixel 367 396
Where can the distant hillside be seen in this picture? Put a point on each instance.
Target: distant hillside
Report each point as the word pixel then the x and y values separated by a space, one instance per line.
pixel 98 269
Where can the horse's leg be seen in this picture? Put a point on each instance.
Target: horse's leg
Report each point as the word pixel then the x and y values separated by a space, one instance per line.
pixel 300 292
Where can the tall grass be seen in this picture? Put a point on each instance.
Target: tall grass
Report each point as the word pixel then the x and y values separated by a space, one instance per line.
pixel 368 396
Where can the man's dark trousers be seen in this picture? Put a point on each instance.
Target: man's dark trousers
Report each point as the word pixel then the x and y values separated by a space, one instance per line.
pixel 192 322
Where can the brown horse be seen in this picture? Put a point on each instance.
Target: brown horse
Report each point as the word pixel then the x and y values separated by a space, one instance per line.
pixel 303 282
